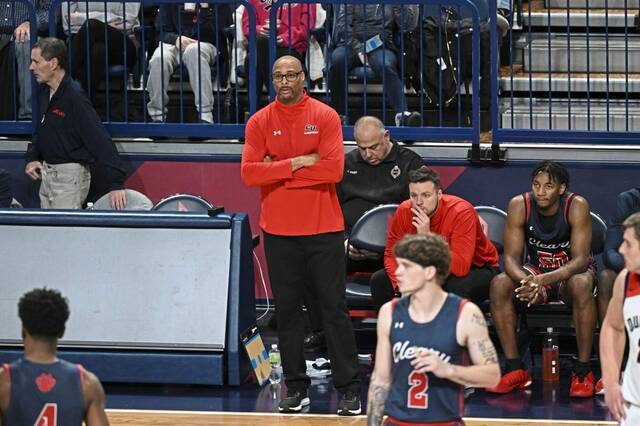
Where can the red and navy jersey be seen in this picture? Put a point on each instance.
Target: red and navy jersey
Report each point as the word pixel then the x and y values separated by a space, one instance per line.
pixel 418 397
pixel 631 315
pixel 548 238
pixel 45 394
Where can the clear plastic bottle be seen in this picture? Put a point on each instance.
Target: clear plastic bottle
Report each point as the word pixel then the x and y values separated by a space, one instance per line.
pixel 550 357
pixel 276 366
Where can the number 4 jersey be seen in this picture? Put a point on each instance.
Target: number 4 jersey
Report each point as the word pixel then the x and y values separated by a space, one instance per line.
pixel 631 315
pixel 417 397
pixel 45 394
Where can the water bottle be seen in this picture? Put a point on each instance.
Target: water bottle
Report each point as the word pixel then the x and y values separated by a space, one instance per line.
pixel 276 365
pixel 550 357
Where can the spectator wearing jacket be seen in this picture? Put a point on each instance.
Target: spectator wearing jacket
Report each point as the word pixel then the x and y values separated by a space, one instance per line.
pixel 106 29
pixel 69 135
pixel 293 22
pixel 363 35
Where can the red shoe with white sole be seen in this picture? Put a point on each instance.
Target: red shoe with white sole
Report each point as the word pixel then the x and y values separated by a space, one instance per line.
pixel 516 379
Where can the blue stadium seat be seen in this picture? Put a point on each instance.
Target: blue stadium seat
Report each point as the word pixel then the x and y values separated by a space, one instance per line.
pixel 369 233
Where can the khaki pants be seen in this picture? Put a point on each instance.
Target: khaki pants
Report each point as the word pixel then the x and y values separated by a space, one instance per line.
pixel 64 186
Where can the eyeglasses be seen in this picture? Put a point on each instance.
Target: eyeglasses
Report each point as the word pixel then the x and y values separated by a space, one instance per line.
pixel 291 76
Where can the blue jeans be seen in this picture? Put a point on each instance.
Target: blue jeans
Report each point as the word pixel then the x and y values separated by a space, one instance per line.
pixel 382 61
pixel 23 59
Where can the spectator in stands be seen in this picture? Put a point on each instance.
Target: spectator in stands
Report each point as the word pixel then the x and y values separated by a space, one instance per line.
pixel 294 153
pixel 474 259
pixel 97 30
pixel 503 21
pixel 5 189
pixel 627 203
pixel 554 226
pixel 294 20
pixel 191 34
pixel 69 135
pixel 363 35
pixel 15 26
pixel 40 388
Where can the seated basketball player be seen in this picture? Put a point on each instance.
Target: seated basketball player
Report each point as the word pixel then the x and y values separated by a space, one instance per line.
pixel 554 226
pixel 422 339
pixel 40 389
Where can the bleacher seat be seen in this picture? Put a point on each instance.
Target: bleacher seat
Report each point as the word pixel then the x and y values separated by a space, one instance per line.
pixel 183 203
pixel 496 219
pixel 135 201
pixel 369 233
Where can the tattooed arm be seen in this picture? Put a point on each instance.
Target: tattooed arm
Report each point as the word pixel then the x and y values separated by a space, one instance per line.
pixel 381 376
pixel 471 333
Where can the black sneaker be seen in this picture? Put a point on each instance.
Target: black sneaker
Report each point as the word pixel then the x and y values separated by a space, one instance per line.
pixel 294 401
pixel 349 404
pixel 314 341
pixel 408 119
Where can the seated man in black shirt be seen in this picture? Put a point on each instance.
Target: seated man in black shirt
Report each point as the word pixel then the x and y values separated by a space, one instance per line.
pixel 375 173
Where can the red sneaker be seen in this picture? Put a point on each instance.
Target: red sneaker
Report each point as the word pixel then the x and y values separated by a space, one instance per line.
pixel 584 388
pixel 516 379
pixel 599 387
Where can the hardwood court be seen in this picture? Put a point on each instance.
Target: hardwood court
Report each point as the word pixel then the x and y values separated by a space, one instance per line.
pixel 200 418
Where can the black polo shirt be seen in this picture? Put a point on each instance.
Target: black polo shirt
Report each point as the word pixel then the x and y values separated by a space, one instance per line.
pixel 70 131
pixel 364 186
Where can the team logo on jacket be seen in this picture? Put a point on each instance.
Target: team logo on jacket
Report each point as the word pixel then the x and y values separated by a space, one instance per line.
pixel 45 382
pixel 57 112
pixel 311 129
pixel 395 172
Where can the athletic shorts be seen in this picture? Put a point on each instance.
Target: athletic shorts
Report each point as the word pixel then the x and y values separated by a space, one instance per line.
pixel 633 415
pixel 553 292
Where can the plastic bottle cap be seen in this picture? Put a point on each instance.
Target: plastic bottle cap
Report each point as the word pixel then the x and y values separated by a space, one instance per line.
pixel 274 346
pixel 549 329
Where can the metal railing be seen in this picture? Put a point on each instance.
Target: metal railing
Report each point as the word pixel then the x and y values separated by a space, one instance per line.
pixel 576 80
pixel 465 127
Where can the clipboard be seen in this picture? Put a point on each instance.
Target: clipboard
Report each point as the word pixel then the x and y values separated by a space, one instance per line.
pixel 258 355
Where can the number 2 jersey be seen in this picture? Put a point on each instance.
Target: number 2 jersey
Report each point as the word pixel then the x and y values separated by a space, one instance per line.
pixel 631 315
pixel 45 394
pixel 418 397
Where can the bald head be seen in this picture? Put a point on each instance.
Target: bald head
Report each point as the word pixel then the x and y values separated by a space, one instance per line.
pixel 373 140
pixel 289 61
pixel 367 123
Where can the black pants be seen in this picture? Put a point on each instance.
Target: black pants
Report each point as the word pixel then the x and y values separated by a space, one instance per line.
pixel 319 261
pixel 8 111
pixel 473 286
pixel 89 67
pixel 263 66
pixel 314 313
